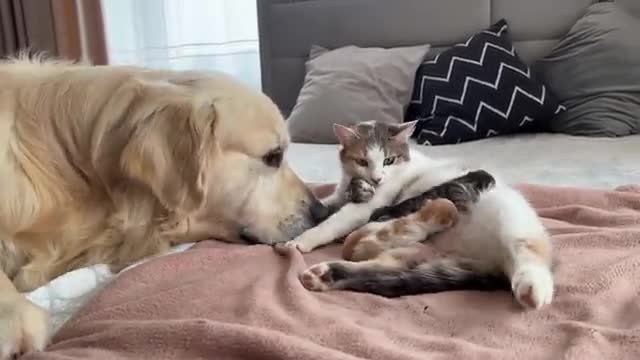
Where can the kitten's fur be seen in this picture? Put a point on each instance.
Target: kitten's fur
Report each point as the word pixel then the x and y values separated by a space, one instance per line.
pixel 417 218
pixel 461 191
pixel 368 148
pixel 500 236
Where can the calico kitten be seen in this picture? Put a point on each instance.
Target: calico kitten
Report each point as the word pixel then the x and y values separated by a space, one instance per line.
pixel 499 241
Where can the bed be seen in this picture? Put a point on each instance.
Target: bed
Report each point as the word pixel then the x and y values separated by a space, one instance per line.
pixel 257 309
pixel 548 159
pixel 551 159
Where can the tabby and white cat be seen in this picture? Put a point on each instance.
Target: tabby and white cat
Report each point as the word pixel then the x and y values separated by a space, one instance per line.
pixel 497 241
pixel 420 217
pixel 365 167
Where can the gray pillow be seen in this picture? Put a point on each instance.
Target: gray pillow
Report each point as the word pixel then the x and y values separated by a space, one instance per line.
pixel 594 71
pixel 352 84
pixel 632 6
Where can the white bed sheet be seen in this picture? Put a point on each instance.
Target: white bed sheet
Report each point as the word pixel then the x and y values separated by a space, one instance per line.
pixel 543 159
pixel 547 159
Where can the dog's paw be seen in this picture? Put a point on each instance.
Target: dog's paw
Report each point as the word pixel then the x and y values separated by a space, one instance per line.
pixel 24 327
pixel 359 191
pixel 532 286
pixel 317 277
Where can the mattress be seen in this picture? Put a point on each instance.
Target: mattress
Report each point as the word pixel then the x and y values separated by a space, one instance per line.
pixel 545 159
pixel 541 159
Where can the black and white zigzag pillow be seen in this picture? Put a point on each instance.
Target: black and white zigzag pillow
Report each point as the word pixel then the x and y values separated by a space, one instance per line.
pixel 478 89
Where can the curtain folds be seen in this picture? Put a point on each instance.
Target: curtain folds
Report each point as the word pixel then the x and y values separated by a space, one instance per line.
pixel 26 25
pixel 67 29
pixel 217 35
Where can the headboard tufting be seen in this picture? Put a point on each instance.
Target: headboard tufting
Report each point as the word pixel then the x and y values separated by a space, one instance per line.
pixel 289 27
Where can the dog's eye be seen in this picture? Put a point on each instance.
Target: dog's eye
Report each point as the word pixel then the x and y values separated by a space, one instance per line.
pixel 273 158
pixel 362 162
pixel 388 161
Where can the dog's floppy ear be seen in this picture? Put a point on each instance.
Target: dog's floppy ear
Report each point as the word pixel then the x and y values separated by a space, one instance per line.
pixel 167 150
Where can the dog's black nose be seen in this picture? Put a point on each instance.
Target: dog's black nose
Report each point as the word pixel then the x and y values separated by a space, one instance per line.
pixel 247 236
pixel 318 211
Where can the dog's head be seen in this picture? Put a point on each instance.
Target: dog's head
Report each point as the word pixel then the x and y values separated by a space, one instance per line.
pixel 213 151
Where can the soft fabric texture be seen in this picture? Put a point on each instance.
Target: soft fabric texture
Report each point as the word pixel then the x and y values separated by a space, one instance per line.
pixel 478 89
pixel 64 295
pixel 227 301
pixel 595 72
pixel 631 6
pixel 352 84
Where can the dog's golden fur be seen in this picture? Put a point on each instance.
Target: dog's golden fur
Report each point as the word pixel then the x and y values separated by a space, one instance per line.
pixel 112 164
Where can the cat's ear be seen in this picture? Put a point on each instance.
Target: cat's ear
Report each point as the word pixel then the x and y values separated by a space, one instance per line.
pixel 403 132
pixel 345 134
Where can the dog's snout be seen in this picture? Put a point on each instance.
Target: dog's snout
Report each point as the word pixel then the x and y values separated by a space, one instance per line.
pixel 249 237
pixel 318 211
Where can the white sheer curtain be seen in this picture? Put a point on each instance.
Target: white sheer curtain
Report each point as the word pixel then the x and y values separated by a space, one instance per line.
pixel 185 34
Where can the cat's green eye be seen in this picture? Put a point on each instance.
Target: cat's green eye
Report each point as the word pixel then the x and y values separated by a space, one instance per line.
pixel 388 161
pixel 362 162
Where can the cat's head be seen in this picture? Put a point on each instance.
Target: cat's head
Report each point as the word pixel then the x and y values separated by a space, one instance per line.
pixel 372 149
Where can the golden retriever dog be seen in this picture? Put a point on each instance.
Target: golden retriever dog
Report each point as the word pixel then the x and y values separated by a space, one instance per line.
pixel 113 164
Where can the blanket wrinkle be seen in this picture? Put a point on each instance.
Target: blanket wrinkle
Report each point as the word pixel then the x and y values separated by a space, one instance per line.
pixel 230 301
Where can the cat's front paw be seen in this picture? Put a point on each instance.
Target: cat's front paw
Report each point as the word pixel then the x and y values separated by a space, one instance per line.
pixel 532 286
pixel 359 191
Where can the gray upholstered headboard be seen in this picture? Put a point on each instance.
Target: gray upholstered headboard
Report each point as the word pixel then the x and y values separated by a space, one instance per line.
pixel 289 27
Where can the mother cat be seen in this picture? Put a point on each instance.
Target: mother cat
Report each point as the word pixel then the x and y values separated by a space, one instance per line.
pixel 501 233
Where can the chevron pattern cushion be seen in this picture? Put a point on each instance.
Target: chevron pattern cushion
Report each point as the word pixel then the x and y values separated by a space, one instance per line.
pixel 478 89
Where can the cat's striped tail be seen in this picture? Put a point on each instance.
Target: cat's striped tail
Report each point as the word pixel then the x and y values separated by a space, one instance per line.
pixel 445 274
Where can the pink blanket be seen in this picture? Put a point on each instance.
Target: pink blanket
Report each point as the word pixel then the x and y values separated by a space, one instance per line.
pixel 222 301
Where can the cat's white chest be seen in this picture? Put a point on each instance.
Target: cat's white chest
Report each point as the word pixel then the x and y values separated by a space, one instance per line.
pixel 423 173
